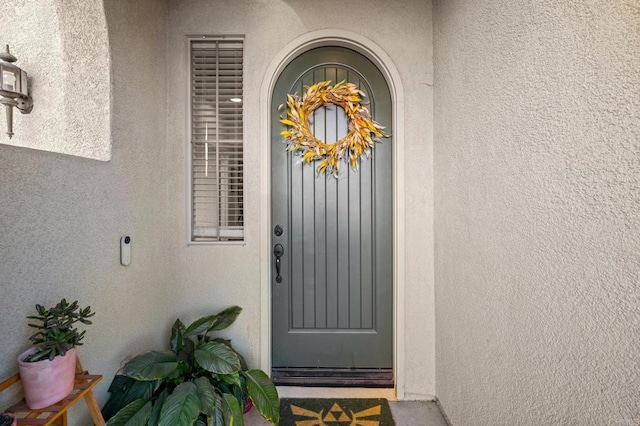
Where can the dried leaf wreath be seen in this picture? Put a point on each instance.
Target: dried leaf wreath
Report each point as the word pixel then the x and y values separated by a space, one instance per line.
pixel 362 133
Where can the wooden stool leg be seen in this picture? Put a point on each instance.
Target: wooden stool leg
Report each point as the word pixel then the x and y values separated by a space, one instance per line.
pixel 61 421
pixel 92 403
pixel 94 409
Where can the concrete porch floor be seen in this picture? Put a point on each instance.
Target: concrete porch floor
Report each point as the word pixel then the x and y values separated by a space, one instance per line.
pixel 405 413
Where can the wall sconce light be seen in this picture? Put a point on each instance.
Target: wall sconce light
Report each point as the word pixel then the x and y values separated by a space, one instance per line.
pixel 13 88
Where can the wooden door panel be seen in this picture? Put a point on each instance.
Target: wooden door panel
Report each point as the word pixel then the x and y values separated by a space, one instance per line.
pixel 333 308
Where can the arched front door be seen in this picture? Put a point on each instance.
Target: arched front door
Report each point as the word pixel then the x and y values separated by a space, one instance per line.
pixel 333 306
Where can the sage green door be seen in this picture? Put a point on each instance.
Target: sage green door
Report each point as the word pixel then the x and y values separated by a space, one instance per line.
pixel 333 304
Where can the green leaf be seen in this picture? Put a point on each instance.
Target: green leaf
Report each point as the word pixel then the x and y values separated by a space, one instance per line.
pixel 214 322
pixel 264 395
pixel 200 422
pixel 124 390
pixel 207 394
pixel 134 414
pixel 41 354
pixel 240 390
pixel 177 336
pixel 231 409
pixel 230 379
pixel 187 350
pixel 181 407
pixel 243 363
pixel 152 365
pixel 217 358
pixel 200 326
pixel 157 406
pixel 225 318
pixel 218 416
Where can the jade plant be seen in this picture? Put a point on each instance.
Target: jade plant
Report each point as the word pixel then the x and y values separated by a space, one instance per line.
pixel 201 381
pixel 56 332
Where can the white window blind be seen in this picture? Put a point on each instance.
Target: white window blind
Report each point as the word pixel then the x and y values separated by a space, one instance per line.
pixel 217 181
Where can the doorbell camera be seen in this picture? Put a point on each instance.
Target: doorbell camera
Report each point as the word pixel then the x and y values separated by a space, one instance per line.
pixel 125 250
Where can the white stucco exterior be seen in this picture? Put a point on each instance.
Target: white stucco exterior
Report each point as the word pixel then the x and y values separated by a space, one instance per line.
pixel 63 46
pixel 537 164
pixel 222 275
pixel 519 221
pixel 62 216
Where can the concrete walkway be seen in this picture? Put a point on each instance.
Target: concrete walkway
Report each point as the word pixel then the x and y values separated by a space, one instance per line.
pixel 416 413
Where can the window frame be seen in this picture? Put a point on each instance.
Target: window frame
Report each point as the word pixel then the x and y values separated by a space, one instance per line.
pixel 189 142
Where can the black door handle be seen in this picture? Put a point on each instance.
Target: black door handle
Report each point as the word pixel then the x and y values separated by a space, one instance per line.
pixel 278 251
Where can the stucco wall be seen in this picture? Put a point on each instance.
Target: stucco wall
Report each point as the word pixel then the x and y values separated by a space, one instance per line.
pixel 61 217
pixel 63 46
pixel 537 177
pixel 216 276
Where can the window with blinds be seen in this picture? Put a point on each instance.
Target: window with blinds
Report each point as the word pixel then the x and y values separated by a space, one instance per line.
pixel 217 172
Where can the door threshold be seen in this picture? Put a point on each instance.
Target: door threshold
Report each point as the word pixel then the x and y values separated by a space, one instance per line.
pixel 321 392
pixel 333 377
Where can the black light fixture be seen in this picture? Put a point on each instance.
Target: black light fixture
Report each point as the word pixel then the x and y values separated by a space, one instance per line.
pixel 14 88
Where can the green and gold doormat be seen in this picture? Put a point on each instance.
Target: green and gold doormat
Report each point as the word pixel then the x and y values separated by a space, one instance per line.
pixel 335 412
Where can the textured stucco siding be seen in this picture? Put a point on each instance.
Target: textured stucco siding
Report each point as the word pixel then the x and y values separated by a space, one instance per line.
pixel 217 276
pixel 537 195
pixel 61 216
pixel 87 78
pixel 63 46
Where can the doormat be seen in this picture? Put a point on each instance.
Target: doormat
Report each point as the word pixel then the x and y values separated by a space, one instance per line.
pixel 335 412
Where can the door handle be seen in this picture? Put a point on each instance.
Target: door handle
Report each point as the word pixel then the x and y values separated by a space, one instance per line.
pixel 278 251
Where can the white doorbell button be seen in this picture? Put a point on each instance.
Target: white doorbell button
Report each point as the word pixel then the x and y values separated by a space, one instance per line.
pixel 125 250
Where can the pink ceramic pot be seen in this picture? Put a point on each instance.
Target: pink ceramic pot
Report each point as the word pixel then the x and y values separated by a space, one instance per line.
pixel 47 382
pixel 248 407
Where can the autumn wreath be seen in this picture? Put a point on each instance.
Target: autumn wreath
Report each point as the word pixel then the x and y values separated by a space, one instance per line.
pixel 362 132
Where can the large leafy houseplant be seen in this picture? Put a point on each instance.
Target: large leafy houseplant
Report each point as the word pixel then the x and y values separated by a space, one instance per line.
pixel 7 420
pixel 201 381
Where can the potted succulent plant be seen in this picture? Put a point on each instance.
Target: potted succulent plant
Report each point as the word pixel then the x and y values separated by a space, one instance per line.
pixel 47 370
pixel 8 419
pixel 201 381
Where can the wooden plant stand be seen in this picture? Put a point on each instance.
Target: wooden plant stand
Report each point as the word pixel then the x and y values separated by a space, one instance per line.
pixel 57 413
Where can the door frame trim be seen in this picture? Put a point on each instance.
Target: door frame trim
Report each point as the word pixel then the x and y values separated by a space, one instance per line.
pixel 380 58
